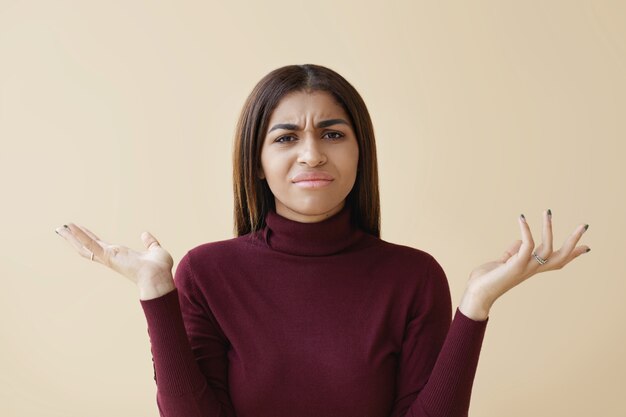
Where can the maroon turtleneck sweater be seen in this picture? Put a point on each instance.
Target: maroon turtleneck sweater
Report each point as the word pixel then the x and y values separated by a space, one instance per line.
pixel 311 319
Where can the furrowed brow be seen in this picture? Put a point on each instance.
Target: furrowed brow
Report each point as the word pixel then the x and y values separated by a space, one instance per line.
pixel 326 123
pixel 322 124
pixel 286 126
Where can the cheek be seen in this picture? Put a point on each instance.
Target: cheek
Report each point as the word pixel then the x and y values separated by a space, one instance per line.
pixel 266 162
pixel 351 157
pixel 273 165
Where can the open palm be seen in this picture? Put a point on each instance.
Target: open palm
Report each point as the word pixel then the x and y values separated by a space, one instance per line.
pixel 135 265
pixel 492 279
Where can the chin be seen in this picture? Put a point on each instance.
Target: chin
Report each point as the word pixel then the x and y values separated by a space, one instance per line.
pixel 313 207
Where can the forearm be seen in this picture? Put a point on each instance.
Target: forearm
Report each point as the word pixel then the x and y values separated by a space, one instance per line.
pixel 181 388
pixel 448 390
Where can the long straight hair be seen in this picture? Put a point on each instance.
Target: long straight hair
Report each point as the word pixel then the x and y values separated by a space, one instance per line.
pixel 253 197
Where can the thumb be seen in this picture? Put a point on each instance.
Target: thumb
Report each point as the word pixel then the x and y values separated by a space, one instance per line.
pixel 149 240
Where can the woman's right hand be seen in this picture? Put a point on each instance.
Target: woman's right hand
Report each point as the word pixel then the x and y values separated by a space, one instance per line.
pixel 151 269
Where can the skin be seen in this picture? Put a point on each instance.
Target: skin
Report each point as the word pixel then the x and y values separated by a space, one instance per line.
pixel 334 150
pixel 295 144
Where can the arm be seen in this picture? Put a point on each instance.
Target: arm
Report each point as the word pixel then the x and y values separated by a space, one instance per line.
pixel 189 352
pixel 447 391
pixel 438 361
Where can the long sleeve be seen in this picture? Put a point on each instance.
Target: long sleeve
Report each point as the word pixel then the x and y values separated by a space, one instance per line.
pixel 189 352
pixel 438 360
pixel 309 320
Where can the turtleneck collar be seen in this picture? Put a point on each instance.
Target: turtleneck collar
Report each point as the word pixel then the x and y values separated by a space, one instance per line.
pixel 326 237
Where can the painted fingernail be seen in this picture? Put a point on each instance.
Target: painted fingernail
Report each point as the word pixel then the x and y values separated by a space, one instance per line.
pixel 549 212
pixel 55 231
pixel 523 218
pixel 588 249
pixel 66 226
pixel 586 227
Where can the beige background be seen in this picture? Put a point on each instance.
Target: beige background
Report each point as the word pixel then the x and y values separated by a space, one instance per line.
pixel 119 116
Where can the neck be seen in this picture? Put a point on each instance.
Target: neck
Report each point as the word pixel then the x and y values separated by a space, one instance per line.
pixel 329 236
pixel 290 214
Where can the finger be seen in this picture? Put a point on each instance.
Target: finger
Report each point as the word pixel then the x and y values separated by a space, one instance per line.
pixel 94 237
pixel 510 251
pixel 90 234
pixel 579 250
pixel 569 245
pixel 546 245
pixel 149 240
pixel 568 251
pixel 528 244
pixel 86 241
pixel 66 233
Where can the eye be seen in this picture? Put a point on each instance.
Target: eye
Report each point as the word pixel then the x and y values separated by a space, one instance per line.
pixel 289 138
pixel 280 139
pixel 339 135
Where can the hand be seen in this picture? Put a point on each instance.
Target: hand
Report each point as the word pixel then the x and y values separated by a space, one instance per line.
pixel 151 269
pixel 489 281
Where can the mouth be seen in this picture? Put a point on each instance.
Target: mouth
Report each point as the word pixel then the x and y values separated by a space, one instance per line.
pixel 313 183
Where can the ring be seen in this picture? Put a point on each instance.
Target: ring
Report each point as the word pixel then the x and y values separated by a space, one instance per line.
pixel 539 259
pixel 91 256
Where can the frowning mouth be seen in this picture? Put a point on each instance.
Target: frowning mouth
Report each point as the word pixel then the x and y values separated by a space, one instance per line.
pixel 317 183
pixel 313 176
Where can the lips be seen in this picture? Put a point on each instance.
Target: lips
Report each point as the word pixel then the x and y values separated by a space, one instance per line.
pixel 313 176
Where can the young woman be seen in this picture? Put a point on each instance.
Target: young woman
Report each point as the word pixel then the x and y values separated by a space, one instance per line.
pixel 307 312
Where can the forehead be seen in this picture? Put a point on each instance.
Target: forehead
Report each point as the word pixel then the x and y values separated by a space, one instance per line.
pixel 301 104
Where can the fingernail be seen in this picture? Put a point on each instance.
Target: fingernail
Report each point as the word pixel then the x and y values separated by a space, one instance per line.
pixel 586 227
pixel 523 218
pixel 588 249
pixel 66 226
pixel 55 231
pixel 549 212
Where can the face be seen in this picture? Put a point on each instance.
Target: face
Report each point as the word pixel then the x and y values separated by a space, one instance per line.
pixel 309 156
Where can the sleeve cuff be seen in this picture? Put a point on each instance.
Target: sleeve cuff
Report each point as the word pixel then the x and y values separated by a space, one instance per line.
pixel 159 309
pixel 465 318
pixel 176 372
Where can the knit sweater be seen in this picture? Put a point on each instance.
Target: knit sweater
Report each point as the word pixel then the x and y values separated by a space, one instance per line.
pixel 311 319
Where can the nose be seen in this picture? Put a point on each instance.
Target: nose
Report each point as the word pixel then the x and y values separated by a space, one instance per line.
pixel 311 152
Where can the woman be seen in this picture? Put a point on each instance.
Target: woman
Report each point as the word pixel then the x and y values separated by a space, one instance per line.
pixel 307 312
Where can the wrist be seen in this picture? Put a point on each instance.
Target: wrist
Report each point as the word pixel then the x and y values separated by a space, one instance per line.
pixel 475 306
pixel 155 286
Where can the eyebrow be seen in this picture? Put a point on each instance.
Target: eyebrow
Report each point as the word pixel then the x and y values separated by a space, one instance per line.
pixel 323 123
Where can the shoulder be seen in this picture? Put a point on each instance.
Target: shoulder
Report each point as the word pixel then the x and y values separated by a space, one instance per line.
pixel 417 264
pixel 220 251
pixel 424 280
pixel 431 291
pixel 223 247
pixel 210 255
pixel 406 255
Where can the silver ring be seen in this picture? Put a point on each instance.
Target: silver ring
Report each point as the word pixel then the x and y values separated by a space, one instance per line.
pixel 539 259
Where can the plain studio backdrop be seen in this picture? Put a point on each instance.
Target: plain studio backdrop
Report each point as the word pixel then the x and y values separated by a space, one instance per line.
pixel 120 115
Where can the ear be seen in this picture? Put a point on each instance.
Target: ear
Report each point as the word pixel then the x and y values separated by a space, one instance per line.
pixel 261 174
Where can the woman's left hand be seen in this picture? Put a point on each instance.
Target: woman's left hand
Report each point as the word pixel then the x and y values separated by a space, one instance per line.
pixel 489 281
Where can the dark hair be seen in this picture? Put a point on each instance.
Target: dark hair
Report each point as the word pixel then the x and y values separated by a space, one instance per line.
pixel 253 197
